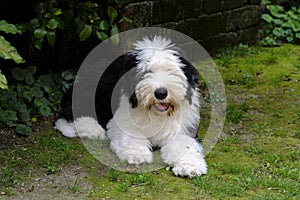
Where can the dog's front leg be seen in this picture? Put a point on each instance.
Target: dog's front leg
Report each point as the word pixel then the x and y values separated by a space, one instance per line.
pixel 134 150
pixel 184 155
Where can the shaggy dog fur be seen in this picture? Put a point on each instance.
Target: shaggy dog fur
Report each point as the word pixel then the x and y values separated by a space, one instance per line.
pixel 158 106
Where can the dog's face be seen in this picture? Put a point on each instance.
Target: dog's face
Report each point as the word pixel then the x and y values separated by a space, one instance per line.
pixel 162 89
pixel 165 79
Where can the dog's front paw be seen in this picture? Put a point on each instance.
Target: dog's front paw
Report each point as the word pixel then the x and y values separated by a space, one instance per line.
pixel 137 155
pixel 189 169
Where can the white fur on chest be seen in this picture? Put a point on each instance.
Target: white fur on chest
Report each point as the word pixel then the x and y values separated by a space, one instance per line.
pixel 158 129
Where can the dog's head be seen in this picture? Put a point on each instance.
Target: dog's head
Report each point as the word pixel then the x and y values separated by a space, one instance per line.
pixel 166 79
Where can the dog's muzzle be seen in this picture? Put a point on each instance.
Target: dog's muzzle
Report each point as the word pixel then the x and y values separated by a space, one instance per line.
pixel 161 102
pixel 161 93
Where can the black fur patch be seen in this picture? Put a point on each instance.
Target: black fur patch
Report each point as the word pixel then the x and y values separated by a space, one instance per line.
pixel 105 87
pixel 124 67
pixel 191 74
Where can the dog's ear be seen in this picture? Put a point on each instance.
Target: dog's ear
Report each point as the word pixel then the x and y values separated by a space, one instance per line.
pixel 133 100
pixel 191 74
pixel 130 81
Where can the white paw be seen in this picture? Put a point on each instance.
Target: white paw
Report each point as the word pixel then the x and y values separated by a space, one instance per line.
pixel 88 127
pixel 137 155
pixel 189 169
pixel 66 128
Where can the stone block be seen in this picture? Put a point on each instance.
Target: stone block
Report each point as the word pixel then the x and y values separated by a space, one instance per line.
pixel 254 1
pixel 210 6
pixel 199 28
pixel 175 10
pixel 139 13
pixel 242 17
pixel 249 36
pixel 223 40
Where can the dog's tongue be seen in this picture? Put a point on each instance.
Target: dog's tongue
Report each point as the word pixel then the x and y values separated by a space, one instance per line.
pixel 162 106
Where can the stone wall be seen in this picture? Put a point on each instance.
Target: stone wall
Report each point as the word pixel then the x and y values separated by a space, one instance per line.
pixel 214 24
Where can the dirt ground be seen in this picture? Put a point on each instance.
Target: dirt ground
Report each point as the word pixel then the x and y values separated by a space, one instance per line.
pixel 68 184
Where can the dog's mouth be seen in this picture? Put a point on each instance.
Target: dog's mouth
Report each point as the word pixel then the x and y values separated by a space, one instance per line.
pixel 162 107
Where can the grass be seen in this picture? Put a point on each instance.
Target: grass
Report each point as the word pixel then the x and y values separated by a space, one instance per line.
pixel 256 157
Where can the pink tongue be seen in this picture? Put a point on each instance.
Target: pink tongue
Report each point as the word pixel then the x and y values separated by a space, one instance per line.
pixel 162 106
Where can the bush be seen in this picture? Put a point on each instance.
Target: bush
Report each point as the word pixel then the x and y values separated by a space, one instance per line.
pixel 6 50
pixel 82 18
pixel 281 25
pixel 30 97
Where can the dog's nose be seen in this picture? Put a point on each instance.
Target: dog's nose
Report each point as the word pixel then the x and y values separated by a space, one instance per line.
pixel 161 93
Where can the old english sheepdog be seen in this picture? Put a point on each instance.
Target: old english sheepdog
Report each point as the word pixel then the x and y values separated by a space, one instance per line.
pixel 158 106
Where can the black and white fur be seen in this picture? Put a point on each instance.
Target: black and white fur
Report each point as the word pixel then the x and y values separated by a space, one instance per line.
pixel 158 108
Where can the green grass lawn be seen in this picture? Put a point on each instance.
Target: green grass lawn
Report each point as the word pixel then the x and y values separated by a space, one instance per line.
pixel 256 157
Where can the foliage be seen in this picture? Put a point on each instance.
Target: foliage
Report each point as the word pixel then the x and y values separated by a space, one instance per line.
pixel 7 51
pixel 3 81
pixel 30 97
pixel 281 25
pixel 82 18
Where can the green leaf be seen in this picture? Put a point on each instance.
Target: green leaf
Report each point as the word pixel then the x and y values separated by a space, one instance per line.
pixel 101 35
pixel 23 113
pixel 290 39
pixel 36 91
pixel 287 32
pixel 52 24
pixel 9 28
pixel 103 25
pixel 112 13
pixel 31 69
pixel 20 90
pixel 267 18
pixel 277 21
pixel 297 35
pixel 278 32
pixel 85 33
pixel 125 19
pixel 56 96
pixel 56 11
pixel 47 83
pixel 11 115
pixel 48 15
pixel 18 74
pixel 275 9
pixel 29 79
pixel 39 33
pixel 296 26
pixel 115 35
pixel 51 37
pixel 67 75
pixel 282 16
pixel 9 52
pixel 45 110
pixel 269 41
pixel 23 130
pixel 265 1
pixel 3 82
pixel 35 22
pixel 38 43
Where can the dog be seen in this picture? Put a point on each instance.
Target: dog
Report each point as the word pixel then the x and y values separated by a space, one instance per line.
pixel 157 107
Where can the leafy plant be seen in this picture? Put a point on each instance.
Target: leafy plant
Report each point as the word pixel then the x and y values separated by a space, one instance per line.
pixel 7 51
pixel 82 18
pixel 282 25
pixel 30 97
